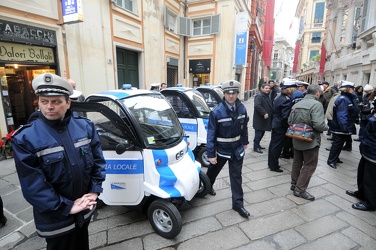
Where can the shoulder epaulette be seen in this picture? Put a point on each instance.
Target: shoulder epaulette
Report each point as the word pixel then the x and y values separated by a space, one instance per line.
pixel 20 128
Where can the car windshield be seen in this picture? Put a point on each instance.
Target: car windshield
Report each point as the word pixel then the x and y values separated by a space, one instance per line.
pixel 199 103
pixel 159 124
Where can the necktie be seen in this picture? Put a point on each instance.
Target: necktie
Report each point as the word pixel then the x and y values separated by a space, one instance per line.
pixel 232 109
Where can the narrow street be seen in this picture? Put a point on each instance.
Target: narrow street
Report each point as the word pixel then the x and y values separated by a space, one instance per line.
pixel 278 219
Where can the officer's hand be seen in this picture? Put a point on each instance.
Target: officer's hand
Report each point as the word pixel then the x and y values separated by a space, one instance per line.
pixel 213 160
pixel 245 147
pixel 266 116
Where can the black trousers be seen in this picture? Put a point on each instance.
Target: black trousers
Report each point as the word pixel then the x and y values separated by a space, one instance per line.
pixel 337 145
pixel 259 134
pixel 277 142
pixel 235 171
pixel 366 181
pixel 78 239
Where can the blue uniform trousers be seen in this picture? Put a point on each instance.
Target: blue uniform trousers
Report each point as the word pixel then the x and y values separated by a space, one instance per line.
pixel 366 181
pixel 337 145
pixel 235 171
pixel 275 147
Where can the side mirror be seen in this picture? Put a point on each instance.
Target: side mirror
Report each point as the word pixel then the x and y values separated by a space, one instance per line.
pixel 121 148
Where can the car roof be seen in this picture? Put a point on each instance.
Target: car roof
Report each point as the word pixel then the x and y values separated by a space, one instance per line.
pixel 120 94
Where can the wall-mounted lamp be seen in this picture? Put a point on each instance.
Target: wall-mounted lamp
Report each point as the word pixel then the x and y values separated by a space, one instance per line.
pixel 16 66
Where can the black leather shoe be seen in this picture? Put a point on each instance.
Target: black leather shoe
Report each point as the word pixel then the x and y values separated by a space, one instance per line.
pixel 330 139
pixel 328 133
pixel 241 210
pixel 262 147
pixel 353 193
pixel 347 149
pixel 339 161
pixel 328 149
pixel 332 165
pixel 363 206
pixel 357 139
pixel 305 195
pixel 292 188
pixel 285 156
pixel 278 170
pixel 258 150
pixel 212 192
pixel 3 221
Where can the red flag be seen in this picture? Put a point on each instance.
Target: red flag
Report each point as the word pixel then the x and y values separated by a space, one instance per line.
pixel 322 59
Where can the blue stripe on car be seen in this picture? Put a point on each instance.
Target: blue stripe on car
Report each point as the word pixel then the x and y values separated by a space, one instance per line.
pixel 118 94
pixel 167 177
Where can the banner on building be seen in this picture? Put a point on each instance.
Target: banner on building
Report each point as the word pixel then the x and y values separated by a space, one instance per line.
pixel 241 38
pixel 72 11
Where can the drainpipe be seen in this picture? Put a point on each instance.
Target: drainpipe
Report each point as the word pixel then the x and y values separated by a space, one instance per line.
pixel 184 44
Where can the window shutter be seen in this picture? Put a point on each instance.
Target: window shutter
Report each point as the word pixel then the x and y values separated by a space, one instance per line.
pixel 364 15
pixel 184 26
pixel 215 24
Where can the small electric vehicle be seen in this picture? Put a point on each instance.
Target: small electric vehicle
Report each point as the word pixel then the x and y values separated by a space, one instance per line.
pixel 193 113
pixel 213 96
pixel 148 161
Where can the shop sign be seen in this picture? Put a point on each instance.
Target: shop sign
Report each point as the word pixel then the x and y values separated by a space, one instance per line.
pixel 11 32
pixel 199 66
pixel 26 53
pixel 72 11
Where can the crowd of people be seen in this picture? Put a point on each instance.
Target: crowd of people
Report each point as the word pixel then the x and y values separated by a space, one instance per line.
pixel 335 109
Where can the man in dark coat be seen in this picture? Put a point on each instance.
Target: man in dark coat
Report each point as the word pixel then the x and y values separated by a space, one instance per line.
pixel 262 116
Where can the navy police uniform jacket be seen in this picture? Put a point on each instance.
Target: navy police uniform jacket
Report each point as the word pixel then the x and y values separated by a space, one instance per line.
pixel 58 162
pixel 227 131
pixel 281 110
pixel 345 114
pixel 368 144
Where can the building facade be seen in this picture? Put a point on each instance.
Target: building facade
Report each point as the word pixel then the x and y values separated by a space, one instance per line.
pixel 283 55
pixel 102 44
pixel 350 42
pixel 312 18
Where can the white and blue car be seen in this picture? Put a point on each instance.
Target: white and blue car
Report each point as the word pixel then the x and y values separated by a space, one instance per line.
pixel 148 161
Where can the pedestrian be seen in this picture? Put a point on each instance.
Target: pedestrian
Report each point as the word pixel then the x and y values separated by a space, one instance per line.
pixel 366 109
pixel 3 219
pixel 77 95
pixel 60 166
pixel 262 116
pixel 281 111
pixel 306 154
pixel 273 91
pixel 367 169
pixel 154 87
pixel 326 94
pixel 345 114
pixel 163 86
pixel 227 140
pixel 359 93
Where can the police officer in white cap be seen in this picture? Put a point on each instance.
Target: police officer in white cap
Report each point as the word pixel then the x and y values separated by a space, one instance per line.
pixel 60 166
pixel 227 140
pixel 345 114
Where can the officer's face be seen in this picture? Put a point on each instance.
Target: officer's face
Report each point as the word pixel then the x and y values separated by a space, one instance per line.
pixel 231 98
pixel 53 107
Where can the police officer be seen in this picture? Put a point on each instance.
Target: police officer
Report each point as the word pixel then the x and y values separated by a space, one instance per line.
pixel 60 166
pixel 367 169
pixel 345 114
pixel 227 141
pixel 281 110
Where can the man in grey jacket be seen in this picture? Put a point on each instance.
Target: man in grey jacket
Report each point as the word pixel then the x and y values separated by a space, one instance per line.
pixel 308 111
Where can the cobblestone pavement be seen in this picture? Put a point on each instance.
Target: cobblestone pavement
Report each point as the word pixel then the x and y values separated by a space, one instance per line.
pixel 279 220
